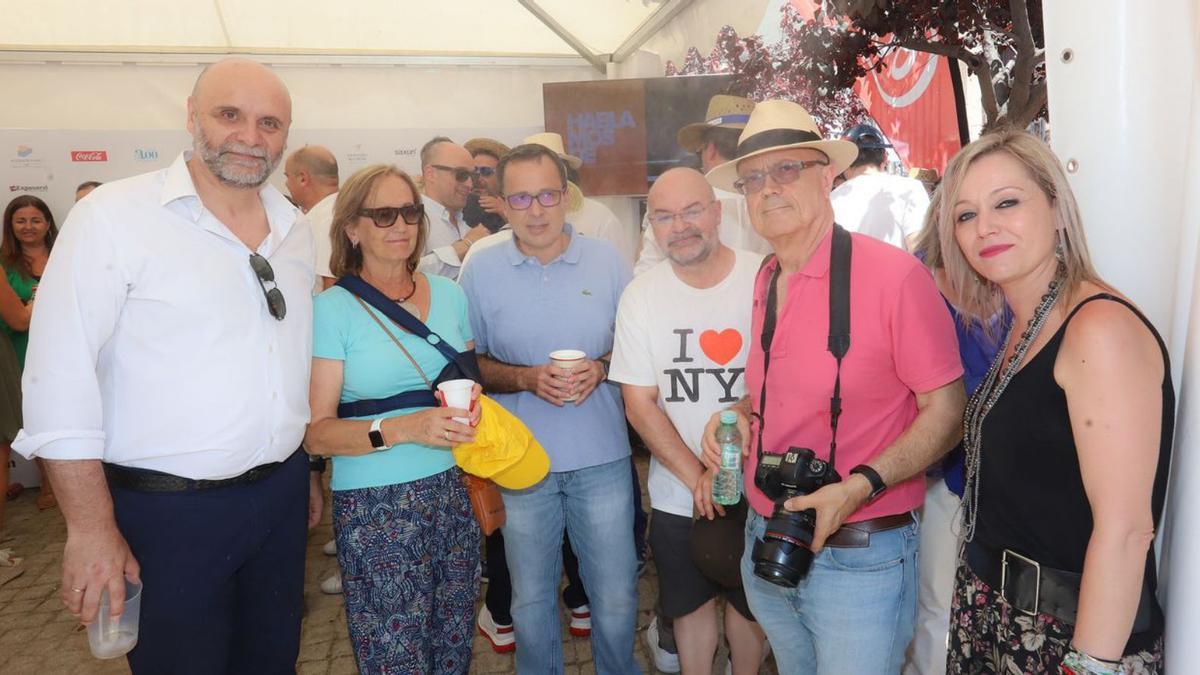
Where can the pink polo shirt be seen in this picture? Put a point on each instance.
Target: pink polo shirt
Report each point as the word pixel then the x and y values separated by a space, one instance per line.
pixel 902 342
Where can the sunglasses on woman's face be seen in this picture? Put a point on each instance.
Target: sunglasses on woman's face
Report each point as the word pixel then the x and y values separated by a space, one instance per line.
pixel 385 216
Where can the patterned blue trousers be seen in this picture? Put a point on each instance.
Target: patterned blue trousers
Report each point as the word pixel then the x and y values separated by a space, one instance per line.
pixel 409 554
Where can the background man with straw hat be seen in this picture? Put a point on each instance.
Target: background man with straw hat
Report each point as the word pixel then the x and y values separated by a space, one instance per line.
pixel 484 206
pixel 901 404
pixel 714 141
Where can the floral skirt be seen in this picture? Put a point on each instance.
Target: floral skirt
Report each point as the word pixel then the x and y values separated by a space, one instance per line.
pixel 409 555
pixel 988 636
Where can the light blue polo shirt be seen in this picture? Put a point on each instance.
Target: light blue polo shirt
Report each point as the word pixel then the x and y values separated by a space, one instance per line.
pixel 522 310
pixel 374 367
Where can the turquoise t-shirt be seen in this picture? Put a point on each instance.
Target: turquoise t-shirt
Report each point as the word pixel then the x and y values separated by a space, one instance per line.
pixel 374 367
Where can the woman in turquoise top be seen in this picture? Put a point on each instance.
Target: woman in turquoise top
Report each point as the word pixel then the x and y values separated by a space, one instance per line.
pixel 29 233
pixel 407 541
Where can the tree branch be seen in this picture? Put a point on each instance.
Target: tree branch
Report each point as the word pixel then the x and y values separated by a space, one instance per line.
pixel 1021 76
pixel 939 48
pixel 1028 113
pixel 988 90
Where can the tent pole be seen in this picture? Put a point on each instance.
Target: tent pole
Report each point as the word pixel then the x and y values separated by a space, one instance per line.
pixel 597 60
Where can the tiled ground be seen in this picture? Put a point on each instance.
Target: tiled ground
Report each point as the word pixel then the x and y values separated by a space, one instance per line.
pixel 38 636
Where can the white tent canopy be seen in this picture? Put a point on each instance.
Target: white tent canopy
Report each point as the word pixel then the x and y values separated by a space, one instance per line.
pixel 600 32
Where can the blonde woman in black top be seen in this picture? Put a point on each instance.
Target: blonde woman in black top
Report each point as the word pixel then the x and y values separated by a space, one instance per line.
pixel 1067 439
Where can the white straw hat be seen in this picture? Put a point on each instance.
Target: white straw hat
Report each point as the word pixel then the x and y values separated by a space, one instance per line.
pixel 554 141
pixel 780 125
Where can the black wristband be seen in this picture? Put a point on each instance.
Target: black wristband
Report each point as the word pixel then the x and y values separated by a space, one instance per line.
pixel 878 487
pixel 316 463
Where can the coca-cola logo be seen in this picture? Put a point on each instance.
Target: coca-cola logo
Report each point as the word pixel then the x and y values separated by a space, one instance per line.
pixel 906 78
pixel 89 155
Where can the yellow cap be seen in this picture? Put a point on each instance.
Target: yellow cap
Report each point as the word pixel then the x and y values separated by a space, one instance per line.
pixel 504 450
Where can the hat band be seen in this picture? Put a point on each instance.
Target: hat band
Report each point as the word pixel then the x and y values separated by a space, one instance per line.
pixel 772 138
pixel 728 119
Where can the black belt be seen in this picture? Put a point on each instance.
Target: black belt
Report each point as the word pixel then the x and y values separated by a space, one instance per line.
pixel 146 480
pixel 1032 588
pixel 858 535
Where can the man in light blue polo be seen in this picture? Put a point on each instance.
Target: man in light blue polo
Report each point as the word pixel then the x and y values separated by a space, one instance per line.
pixel 546 290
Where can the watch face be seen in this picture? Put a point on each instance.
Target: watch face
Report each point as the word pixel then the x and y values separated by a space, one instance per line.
pixel 376 437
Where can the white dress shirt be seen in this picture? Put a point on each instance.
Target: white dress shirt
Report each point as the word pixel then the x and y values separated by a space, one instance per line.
pixel 319 219
pixel 736 231
pixel 440 257
pixel 594 219
pixel 152 346
pixel 880 205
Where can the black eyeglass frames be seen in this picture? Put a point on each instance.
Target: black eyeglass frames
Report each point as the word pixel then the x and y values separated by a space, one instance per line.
pixel 262 269
pixel 385 216
pixel 461 175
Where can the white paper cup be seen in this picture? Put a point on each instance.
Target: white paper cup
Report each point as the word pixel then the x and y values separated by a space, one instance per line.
pixel 568 359
pixel 110 638
pixel 457 394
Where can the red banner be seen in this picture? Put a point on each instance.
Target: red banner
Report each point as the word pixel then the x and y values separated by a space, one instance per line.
pixel 912 101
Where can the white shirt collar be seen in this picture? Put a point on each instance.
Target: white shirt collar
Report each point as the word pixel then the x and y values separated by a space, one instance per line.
pixel 435 210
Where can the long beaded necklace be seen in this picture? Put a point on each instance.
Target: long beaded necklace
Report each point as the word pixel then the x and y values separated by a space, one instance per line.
pixel 989 391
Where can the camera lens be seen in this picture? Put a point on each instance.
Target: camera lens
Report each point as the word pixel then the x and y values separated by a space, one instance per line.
pixel 782 556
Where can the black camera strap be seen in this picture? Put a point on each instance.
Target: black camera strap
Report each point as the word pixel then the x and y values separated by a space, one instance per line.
pixel 839 330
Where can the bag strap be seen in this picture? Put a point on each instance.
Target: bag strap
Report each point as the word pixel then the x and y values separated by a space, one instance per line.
pixel 396 313
pixel 838 341
pixel 395 340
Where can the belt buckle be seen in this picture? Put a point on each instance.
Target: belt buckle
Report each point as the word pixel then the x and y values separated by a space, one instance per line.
pixel 1037 586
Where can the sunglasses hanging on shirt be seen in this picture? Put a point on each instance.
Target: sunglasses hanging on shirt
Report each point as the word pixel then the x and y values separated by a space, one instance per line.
pixel 262 270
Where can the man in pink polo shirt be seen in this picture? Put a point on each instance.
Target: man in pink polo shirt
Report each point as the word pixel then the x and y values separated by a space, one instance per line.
pixel 902 399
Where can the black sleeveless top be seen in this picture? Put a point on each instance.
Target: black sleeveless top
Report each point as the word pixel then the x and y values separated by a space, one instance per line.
pixel 1031 496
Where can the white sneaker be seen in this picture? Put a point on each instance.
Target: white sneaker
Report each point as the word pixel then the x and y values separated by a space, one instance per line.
pixel 330 547
pixel 502 637
pixel 664 661
pixel 581 621
pixel 332 585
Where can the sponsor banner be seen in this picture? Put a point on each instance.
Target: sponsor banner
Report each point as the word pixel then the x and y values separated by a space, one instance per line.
pixel 89 156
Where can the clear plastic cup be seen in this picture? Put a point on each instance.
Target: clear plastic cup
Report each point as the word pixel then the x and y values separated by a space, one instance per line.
pixel 457 394
pixel 568 359
pixel 111 637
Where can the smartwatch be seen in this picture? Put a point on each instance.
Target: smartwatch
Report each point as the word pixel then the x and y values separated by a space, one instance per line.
pixel 877 485
pixel 376 435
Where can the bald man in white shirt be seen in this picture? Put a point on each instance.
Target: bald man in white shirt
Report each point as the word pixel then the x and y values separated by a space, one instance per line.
pixel 167 389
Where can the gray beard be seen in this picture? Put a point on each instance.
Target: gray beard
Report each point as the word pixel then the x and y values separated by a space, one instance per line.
pixel 225 171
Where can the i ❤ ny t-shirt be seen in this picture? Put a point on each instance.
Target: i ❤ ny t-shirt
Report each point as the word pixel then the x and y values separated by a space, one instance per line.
pixel 692 344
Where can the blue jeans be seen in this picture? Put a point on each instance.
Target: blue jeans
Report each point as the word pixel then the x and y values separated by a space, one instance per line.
pixel 853 613
pixel 596 507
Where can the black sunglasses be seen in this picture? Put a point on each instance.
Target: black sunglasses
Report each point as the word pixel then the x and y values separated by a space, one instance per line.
pixel 262 269
pixel 485 171
pixel 461 175
pixel 385 216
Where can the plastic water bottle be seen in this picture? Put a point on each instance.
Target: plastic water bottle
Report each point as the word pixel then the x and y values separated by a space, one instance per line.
pixel 727 486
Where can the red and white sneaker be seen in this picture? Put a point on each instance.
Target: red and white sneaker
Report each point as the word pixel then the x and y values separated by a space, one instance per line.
pixel 581 621
pixel 502 637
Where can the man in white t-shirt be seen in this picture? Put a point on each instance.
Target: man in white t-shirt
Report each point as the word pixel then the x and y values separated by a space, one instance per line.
pixel 682 338
pixel 311 177
pixel 876 203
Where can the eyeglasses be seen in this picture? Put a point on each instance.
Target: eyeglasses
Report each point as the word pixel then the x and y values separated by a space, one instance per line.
pixel 461 175
pixel 688 215
pixel 523 200
pixel 262 269
pixel 485 171
pixel 385 216
pixel 783 173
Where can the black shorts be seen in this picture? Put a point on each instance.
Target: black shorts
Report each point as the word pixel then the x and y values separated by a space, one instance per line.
pixel 682 587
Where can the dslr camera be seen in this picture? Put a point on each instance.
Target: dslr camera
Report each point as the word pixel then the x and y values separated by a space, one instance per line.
pixel 783 556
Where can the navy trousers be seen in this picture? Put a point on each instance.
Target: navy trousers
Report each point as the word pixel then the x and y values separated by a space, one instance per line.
pixel 223 574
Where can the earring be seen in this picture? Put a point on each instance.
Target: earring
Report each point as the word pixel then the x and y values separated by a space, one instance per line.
pixel 1060 249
